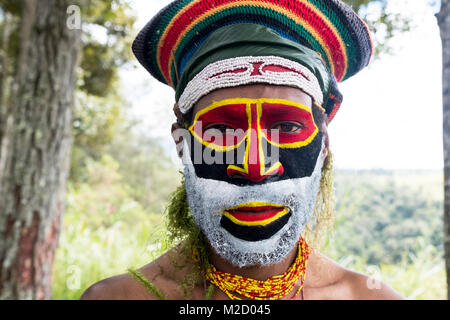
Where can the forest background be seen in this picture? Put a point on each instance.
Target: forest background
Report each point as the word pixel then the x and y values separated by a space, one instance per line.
pixel 123 167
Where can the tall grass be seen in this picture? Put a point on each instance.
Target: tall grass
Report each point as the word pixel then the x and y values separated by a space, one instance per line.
pixel 87 255
pixel 424 279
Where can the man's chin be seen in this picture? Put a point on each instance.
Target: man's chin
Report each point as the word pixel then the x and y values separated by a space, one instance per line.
pixel 245 253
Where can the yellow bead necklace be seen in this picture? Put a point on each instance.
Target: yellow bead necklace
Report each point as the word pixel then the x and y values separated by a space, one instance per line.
pixel 274 288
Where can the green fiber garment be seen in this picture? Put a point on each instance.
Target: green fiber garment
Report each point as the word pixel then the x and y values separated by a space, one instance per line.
pixel 155 290
pixel 147 284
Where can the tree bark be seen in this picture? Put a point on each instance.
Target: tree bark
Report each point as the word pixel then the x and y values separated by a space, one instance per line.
pixel 4 77
pixel 32 187
pixel 444 25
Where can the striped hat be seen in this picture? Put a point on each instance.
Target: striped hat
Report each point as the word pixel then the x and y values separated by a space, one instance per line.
pixel 197 46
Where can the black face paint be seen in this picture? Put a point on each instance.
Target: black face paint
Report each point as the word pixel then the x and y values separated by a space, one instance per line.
pixel 249 142
pixel 234 141
pixel 254 233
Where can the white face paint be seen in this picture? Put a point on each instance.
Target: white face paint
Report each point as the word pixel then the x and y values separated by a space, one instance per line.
pixel 208 199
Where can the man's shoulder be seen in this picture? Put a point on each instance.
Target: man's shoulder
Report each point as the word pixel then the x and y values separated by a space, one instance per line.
pixel 127 287
pixel 329 280
pixel 364 287
pixel 113 288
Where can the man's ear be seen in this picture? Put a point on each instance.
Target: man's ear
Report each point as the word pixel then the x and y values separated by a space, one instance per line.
pixel 178 114
pixel 324 129
pixel 177 138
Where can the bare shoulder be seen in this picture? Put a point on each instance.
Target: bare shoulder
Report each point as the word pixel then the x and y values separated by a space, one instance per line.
pixel 113 288
pixel 125 287
pixel 327 280
pixel 363 287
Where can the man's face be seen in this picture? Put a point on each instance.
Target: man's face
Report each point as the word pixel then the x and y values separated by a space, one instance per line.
pixel 252 169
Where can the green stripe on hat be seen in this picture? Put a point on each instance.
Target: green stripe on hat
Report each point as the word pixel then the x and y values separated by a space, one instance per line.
pixel 242 40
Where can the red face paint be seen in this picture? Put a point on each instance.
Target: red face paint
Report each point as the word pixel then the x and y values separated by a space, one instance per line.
pixel 211 126
pixel 233 124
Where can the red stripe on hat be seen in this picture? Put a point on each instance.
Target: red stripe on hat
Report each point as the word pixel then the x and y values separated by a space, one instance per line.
pixel 300 9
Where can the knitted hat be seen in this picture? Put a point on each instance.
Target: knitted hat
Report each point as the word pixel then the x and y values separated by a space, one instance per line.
pixel 197 46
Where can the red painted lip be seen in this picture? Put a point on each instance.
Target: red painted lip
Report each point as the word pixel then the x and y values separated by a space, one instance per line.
pixel 255 213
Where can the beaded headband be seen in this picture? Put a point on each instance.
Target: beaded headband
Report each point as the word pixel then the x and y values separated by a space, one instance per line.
pixel 338 42
pixel 239 71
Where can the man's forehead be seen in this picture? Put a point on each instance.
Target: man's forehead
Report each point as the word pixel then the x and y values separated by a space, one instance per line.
pixel 257 91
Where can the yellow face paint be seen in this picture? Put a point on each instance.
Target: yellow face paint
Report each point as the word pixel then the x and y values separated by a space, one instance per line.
pixel 256 219
pixel 228 124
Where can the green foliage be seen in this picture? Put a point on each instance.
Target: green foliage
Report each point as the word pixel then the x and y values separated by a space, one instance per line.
pixel 181 225
pixel 388 215
pixel 145 166
pixel 108 29
pixel 95 124
pixel 109 26
pixel 420 277
pixel 389 225
pixel 101 125
pixel 104 197
pixel 12 6
pixel 417 277
pixel 98 69
pixel 116 16
pixel 104 232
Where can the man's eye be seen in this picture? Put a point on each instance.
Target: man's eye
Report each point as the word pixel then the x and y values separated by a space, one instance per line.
pixel 288 127
pixel 216 128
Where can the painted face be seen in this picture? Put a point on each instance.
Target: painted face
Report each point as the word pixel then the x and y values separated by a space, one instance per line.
pixel 255 141
pixel 252 176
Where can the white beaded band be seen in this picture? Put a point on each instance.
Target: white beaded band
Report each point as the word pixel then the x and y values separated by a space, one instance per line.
pixel 246 70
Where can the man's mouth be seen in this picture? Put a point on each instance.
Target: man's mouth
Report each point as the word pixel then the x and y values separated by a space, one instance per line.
pixel 255 214
pixel 255 221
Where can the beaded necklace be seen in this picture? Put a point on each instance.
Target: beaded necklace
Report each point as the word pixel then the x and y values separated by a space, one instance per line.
pixel 274 288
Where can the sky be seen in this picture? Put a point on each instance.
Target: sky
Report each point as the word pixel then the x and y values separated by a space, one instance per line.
pixel 391 117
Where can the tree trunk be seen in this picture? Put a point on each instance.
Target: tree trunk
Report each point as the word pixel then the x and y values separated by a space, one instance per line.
pixel 32 187
pixel 444 24
pixel 4 77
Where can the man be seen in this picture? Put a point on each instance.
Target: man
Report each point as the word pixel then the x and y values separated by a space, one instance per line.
pixel 256 87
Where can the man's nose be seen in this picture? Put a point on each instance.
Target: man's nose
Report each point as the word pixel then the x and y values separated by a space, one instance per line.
pixel 256 166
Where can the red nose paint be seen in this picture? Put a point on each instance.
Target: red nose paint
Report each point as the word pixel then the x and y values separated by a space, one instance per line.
pixel 256 169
